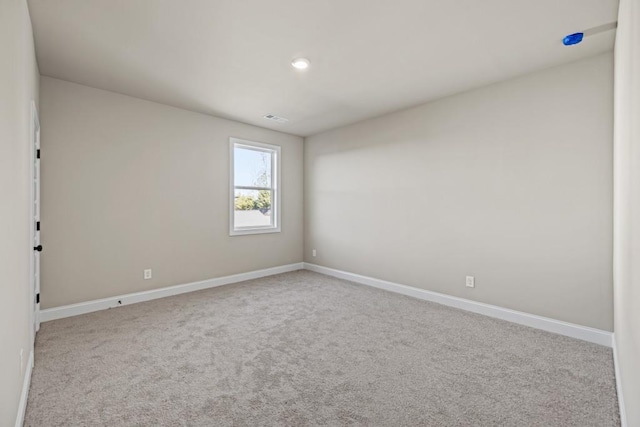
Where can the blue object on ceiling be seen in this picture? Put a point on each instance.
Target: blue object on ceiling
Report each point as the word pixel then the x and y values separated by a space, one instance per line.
pixel 574 38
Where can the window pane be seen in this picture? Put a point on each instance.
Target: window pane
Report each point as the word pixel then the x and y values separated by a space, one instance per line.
pixel 252 168
pixel 252 208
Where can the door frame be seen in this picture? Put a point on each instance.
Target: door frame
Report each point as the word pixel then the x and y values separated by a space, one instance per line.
pixel 34 285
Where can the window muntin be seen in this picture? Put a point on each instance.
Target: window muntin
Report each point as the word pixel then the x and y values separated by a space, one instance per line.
pixel 254 204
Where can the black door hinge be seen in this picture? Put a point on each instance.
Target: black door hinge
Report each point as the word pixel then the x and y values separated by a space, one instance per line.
pixel 37 225
pixel 38 298
pixel 38 154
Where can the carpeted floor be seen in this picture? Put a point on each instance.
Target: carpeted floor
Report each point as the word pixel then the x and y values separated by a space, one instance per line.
pixel 303 349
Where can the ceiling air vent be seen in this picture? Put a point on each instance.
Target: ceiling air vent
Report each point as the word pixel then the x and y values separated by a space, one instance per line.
pixel 275 118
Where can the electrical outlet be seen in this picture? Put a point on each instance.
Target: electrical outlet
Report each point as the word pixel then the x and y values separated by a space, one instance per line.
pixel 313 252
pixel 147 274
pixel 471 282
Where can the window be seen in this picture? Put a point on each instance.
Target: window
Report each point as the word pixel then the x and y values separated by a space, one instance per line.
pixel 255 198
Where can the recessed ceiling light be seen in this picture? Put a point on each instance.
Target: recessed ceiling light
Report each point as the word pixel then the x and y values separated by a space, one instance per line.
pixel 300 63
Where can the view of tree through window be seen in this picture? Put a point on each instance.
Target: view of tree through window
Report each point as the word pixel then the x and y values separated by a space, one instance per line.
pixel 254 189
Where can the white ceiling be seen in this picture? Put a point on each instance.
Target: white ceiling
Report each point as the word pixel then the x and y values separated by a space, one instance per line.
pixel 231 58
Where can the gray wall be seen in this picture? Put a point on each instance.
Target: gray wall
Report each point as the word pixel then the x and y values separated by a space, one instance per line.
pixel 129 184
pixel 627 206
pixel 18 87
pixel 510 183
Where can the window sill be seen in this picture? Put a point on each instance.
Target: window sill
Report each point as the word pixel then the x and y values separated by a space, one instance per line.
pixel 248 231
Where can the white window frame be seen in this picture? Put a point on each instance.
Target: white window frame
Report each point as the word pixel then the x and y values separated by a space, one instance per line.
pixel 275 187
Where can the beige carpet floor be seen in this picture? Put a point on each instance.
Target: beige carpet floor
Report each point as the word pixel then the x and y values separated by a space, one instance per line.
pixel 302 349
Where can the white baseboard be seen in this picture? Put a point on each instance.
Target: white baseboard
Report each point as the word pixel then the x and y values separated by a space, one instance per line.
pixel 585 333
pixel 623 412
pixel 24 396
pixel 118 301
pixel 551 325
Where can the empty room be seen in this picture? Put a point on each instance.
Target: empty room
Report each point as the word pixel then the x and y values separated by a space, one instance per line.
pixel 320 213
